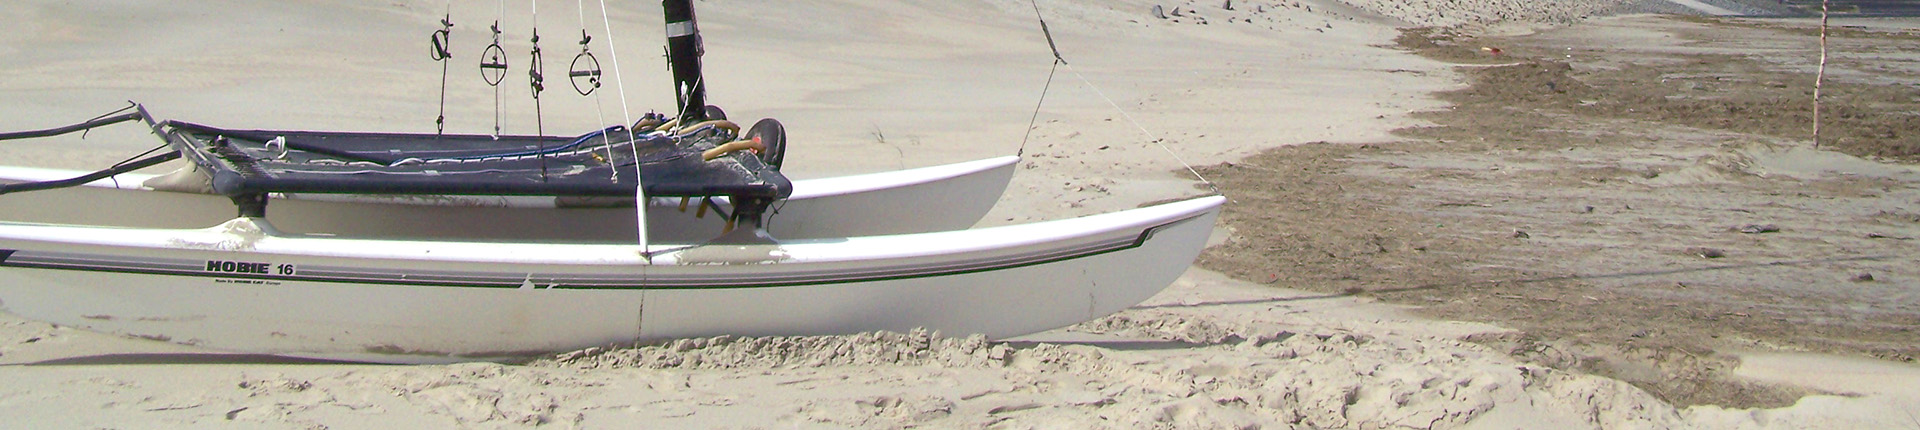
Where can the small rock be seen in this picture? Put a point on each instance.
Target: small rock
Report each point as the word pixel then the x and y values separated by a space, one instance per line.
pixel 1228 5
pixel 1159 12
pixel 1589 209
pixel 1863 277
pixel 1521 234
pixel 1757 228
pixel 1085 398
pixel 1707 252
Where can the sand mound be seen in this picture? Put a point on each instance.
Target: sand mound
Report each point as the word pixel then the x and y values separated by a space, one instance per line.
pixel 1715 168
pixel 1223 377
pixel 1454 12
pixel 730 352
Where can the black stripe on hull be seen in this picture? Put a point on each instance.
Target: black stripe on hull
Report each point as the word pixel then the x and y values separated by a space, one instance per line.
pixel 481 280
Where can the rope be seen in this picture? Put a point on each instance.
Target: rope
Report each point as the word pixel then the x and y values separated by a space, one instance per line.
pixel 123 163
pixel 1036 108
pixel 1058 60
pixel 130 106
pixel 598 108
pixel 499 107
pixel 613 51
pixel 639 190
pixel 534 76
pixel 689 108
pixel 1047 32
pixel 1143 129
pixel 441 39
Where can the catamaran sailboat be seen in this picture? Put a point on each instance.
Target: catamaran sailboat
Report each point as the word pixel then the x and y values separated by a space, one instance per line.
pixel 390 247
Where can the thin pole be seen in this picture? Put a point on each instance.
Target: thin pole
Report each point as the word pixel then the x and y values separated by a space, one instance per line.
pixel 1821 75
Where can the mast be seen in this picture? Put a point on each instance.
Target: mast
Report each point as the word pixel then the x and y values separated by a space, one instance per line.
pixel 683 55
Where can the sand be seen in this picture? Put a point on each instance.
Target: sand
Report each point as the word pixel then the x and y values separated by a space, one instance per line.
pixel 862 87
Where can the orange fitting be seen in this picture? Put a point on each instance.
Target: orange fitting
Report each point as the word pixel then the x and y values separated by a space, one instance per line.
pixel 732 147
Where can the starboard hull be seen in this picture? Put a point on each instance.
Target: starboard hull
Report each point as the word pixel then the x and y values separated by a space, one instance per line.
pixel 417 301
pixel 937 198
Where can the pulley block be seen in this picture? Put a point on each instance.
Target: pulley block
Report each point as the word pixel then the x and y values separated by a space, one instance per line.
pixel 585 68
pixel 441 40
pixel 535 75
pixel 493 61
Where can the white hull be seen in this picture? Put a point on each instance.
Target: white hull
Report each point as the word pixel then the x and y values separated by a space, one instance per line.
pixel 420 301
pixel 938 198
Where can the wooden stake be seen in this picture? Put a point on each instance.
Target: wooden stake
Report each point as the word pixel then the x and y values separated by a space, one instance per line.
pixel 1820 75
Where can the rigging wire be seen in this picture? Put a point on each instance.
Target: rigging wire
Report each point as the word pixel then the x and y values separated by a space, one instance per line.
pixel 1143 129
pixel 613 50
pixel 584 64
pixel 639 190
pixel 441 53
pixel 130 106
pixel 1035 119
pixel 689 91
pixel 133 159
pixel 1057 60
pixel 598 109
pixel 1061 61
pixel 538 81
pixel 495 59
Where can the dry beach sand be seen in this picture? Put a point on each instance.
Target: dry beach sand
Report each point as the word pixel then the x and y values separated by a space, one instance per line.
pixel 1421 234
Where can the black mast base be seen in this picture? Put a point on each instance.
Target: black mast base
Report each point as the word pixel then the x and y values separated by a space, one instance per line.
pixel 251 205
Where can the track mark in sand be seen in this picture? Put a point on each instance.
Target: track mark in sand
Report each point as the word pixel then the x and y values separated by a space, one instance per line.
pixel 877 411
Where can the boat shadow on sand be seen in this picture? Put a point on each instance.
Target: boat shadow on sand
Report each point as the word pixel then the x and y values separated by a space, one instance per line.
pixel 1436 286
pixel 176 358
